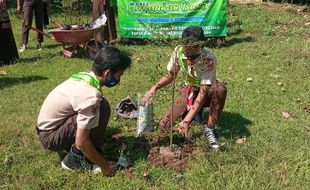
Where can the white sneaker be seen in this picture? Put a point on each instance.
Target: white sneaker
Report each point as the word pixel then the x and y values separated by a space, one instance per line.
pixel 23 48
pixel 209 134
pixel 39 46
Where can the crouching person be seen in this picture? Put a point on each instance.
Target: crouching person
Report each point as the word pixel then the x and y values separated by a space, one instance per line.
pixel 202 89
pixel 74 116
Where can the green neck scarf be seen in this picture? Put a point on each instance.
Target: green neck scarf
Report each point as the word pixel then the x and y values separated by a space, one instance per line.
pixel 89 78
pixel 192 80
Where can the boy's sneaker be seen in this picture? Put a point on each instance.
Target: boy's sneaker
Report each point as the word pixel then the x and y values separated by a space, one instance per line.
pixel 23 48
pixel 209 134
pixel 73 162
pixel 39 46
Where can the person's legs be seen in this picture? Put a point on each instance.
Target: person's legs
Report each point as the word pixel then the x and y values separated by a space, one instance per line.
pixel 39 20
pixel 75 158
pixel 63 137
pixel 179 108
pixel 8 51
pixel 97 11
pixel 109 32
pixel 216 101
pixel 28 14
pixel 45 14
pixel 217 97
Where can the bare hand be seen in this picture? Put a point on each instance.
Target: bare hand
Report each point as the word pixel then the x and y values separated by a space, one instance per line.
pixel 148 96
pixel 110 169
pixel 183 128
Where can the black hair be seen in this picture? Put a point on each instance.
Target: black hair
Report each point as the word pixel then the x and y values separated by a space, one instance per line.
pixel 109 57
pixel 192 35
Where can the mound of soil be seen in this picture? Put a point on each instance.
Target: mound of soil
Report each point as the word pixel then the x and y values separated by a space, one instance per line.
pixel 156 148
pixel 175 158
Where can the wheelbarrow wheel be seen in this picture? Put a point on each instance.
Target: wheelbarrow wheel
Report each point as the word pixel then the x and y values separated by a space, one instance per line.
pixel 92 48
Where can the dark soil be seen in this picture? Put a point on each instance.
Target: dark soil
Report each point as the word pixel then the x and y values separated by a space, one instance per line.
pixel 175 158
pixel 155 148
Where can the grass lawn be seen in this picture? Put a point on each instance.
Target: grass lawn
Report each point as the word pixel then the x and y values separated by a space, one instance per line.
pixel 266 43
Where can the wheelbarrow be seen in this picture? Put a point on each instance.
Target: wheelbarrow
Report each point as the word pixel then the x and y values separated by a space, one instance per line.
pixel 75 39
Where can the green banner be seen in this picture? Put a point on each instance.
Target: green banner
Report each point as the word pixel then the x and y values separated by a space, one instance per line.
pixel 168 18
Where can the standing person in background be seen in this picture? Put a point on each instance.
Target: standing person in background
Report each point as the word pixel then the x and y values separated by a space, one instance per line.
pixel 30 7
pixel 8 50
pixel 108 32
pixel 46 12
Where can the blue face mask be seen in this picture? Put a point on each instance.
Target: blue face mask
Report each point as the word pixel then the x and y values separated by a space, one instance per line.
pixel 111 82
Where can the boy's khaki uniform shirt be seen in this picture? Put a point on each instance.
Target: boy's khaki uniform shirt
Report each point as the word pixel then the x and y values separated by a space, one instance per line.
pixel 206 73
pixel 69 98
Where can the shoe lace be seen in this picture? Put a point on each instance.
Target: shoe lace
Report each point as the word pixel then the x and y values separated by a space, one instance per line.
pixel 210 136
pixel 85 164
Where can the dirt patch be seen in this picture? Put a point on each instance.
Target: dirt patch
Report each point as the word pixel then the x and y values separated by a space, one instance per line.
pixel 154 147
pixel 129 173
pixel 175 158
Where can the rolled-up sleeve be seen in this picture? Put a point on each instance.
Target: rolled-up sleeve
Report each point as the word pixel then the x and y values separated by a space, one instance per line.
pixel 173 62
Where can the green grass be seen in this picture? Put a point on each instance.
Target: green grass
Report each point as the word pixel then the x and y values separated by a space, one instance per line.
pixel 265 43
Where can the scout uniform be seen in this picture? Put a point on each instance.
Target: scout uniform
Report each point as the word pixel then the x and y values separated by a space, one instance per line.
pixel 77 102
pixel 197 72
